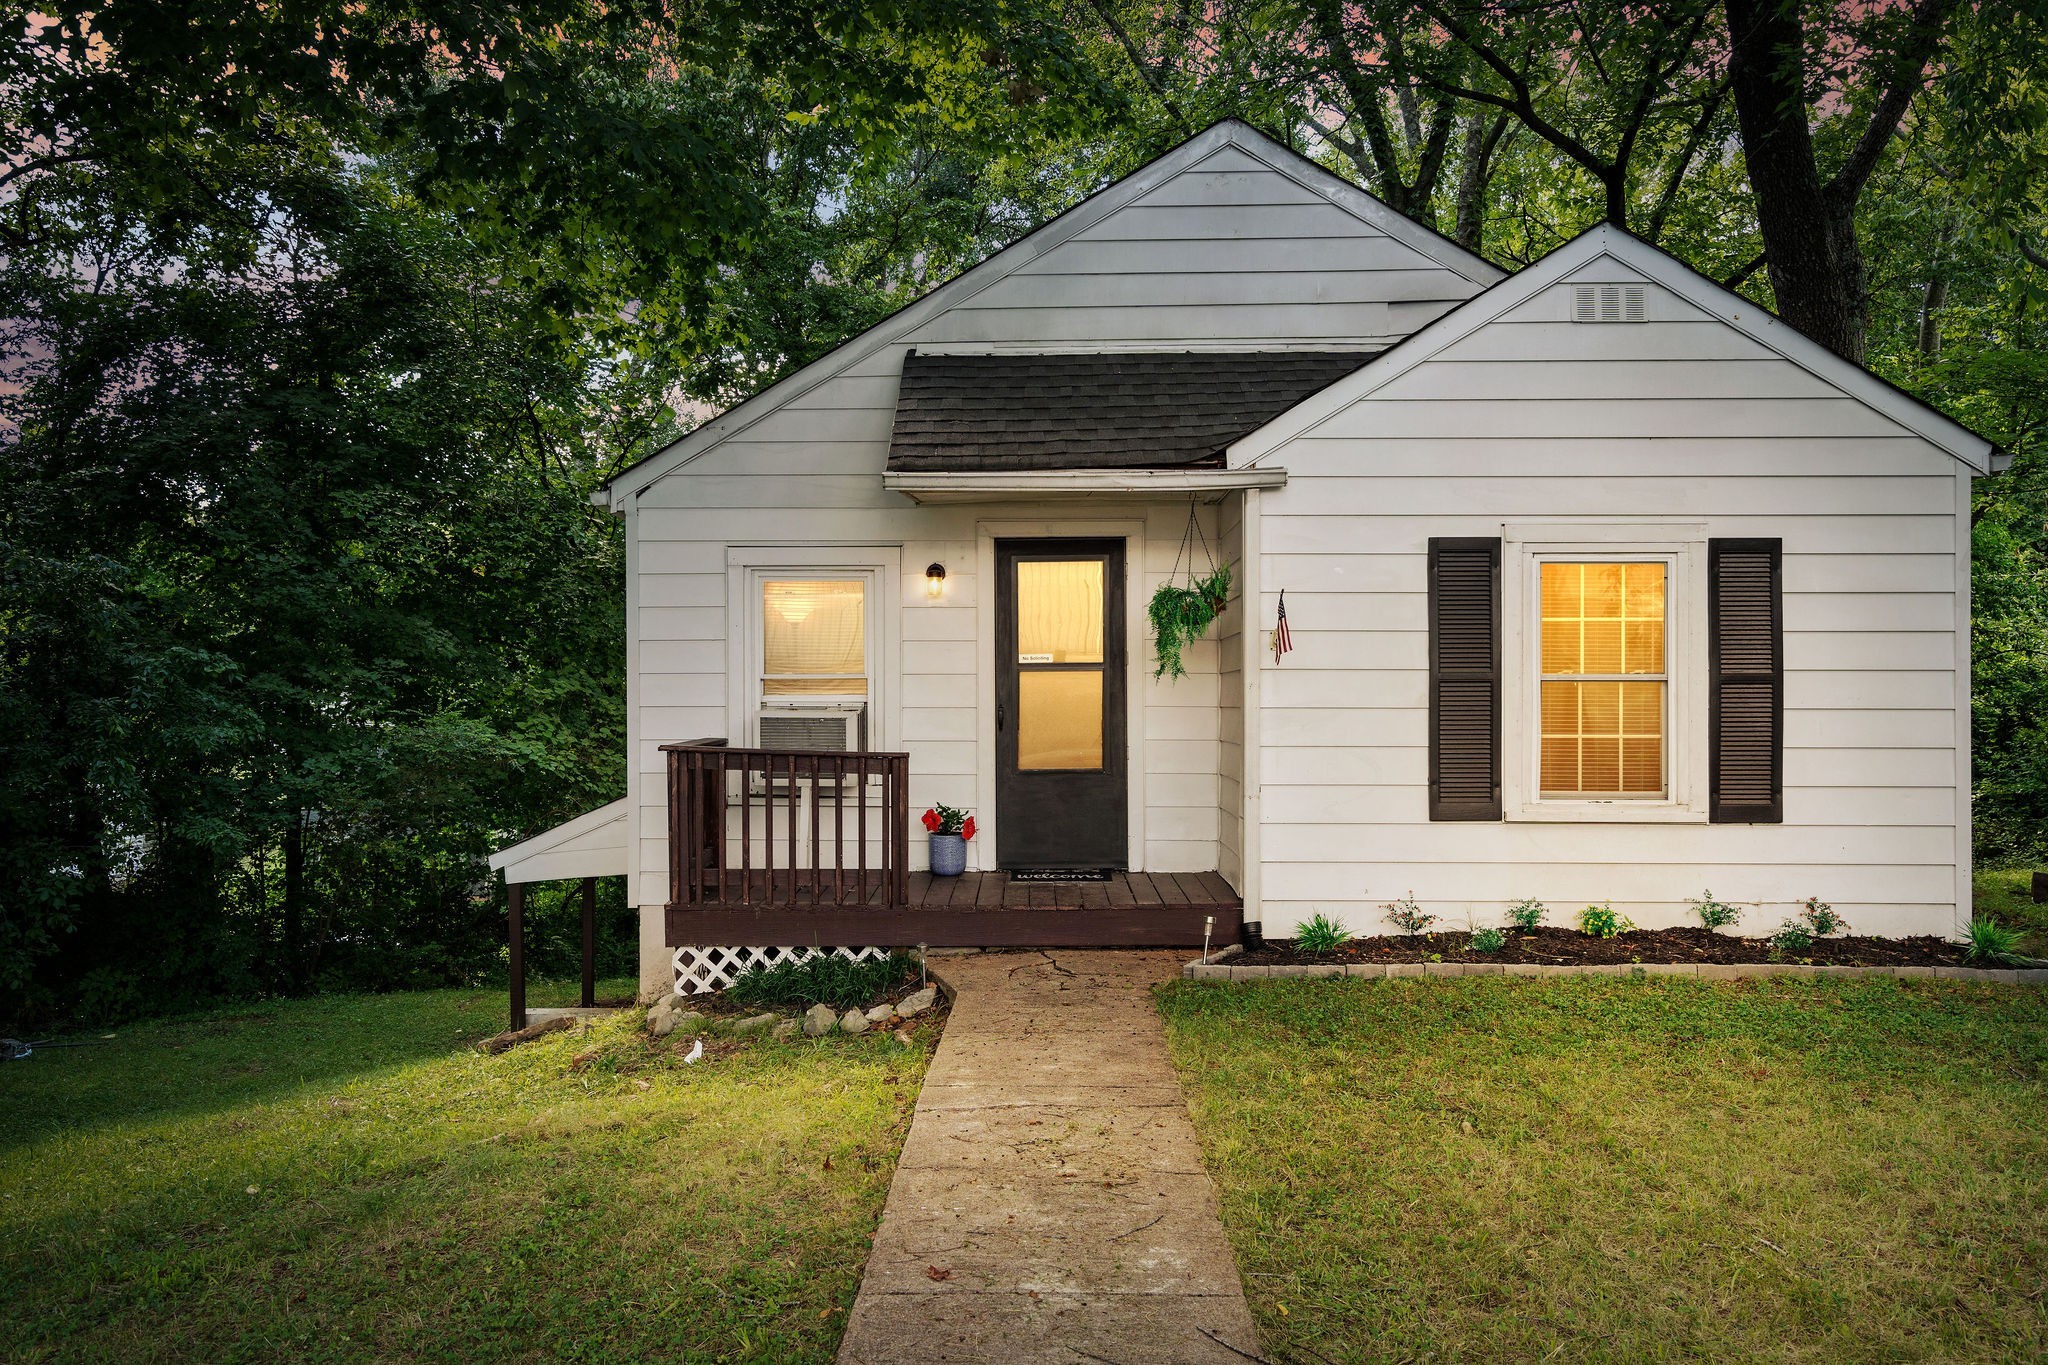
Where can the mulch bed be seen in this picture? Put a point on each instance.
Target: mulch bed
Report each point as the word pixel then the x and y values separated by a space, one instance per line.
pixel 1570 947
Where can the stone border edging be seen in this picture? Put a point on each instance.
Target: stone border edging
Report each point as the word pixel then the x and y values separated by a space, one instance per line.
pixel 1214 970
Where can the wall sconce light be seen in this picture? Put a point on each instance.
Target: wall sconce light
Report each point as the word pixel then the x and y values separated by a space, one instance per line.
pixel 934 580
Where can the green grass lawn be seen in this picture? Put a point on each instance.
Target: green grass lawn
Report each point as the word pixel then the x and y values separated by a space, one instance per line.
pixel 345 1179
pixel 1628 1169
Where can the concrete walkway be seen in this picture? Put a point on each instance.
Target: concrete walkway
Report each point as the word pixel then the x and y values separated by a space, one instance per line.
pixel 1051 1204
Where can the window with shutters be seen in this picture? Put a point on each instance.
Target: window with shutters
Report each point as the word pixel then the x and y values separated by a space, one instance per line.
pixel 1603 707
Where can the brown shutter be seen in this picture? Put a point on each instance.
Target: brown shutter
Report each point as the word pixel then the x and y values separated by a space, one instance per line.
pixel 1746 704
pixel 1464 678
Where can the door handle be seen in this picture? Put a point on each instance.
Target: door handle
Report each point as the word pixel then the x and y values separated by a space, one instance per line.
pixel 999 717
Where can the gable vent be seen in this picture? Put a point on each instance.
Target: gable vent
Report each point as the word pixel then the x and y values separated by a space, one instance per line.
pixel 1608 303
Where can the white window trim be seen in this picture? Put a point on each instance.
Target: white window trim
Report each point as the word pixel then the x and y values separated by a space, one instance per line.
pixel 1683 547
pixel 879 568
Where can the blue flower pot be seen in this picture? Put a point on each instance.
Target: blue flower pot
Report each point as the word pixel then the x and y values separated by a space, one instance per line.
pixel 949 855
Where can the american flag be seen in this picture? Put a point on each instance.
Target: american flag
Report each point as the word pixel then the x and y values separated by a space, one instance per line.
pixel 1282 641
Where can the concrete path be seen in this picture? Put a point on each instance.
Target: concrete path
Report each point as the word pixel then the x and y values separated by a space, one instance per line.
pixel 1051 1204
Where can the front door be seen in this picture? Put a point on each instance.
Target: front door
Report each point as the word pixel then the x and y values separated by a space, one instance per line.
pixel 1060 763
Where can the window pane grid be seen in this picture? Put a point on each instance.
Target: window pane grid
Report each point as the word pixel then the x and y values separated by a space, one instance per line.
pixel 1602 685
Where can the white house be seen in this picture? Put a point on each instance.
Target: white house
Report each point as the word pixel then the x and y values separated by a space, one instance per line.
pixel 1602 585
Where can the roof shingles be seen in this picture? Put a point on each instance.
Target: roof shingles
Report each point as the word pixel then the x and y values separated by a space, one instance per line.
pixel 1117 410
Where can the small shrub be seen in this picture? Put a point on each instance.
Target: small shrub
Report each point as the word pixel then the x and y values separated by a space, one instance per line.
pixel 1407 916
pixel 1986 940
pixel 1715 914
pixel 1320 934
pixel 1526 915
pixel 1795 938
pixel 1488 940
pixel 1601 921
pixel 826 979
pixel 1816 920
pixel 1817 915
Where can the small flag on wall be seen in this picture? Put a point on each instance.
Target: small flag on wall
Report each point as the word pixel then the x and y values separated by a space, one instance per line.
pixel 1282 641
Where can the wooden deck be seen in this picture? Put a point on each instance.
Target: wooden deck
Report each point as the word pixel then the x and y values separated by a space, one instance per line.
pixel 974 910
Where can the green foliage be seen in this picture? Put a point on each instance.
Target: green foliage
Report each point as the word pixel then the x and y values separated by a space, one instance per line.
pixel 1526 914
pixel 1405 915
pixel 1488 940
pixel 1320 934
pixel 1816 920
pixel 1601 921
pixel 1180 615
pixel 1715 914
pixel 1792 939
pixel 1986 940
pixel 823 979
pixel 1817 915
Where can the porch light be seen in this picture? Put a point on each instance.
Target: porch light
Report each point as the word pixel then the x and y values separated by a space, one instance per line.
pixel 934 580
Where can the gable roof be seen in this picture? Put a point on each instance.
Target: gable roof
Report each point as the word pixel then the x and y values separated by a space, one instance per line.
pixel 1438 249
pixel 1661 268
pixel 1103 410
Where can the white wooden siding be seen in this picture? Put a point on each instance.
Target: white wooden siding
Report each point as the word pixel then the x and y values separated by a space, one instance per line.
pixel 1532 419
pixel 1229 253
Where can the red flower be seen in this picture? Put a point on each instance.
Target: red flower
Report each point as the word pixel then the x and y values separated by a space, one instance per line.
pixel 931 821
pixel 967 830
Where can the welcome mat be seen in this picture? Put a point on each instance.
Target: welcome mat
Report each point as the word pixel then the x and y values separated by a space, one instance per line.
pixel 1063 874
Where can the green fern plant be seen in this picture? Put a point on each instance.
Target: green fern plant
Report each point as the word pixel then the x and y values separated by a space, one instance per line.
pixel 1179 615
pixel 1526 915
pixel 1488 940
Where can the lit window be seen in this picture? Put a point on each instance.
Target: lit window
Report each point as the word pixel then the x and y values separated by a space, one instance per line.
pixel 813 637
pixel 1604 685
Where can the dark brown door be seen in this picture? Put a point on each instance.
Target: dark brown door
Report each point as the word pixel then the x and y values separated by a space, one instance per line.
pixel 1061 770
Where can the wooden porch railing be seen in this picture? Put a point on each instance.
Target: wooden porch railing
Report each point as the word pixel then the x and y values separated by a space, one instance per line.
pixel 843 795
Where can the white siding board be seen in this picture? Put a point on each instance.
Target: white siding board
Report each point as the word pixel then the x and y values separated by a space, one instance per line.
pixel 1284 222
pixel 1570 341
pixel 1448 381
pixel 1478 416
pixel 1242 325
pixel 1209 186
pixel 1258 258
pixel 1629 456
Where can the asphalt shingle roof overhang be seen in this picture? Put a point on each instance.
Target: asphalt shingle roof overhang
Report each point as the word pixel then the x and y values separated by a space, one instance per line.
pixel 1112 410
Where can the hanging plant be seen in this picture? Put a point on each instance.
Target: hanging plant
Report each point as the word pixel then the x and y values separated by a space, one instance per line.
pixel 1181 612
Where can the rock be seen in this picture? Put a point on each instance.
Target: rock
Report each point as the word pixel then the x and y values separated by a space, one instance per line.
pixel 854 1022
pixel 786 1029
pixel 917 1002
pixel 880 1013
pixel 688 1021
pixel 754 1024
pixel 820 1020
pixel 661 1023
pixel 674 1000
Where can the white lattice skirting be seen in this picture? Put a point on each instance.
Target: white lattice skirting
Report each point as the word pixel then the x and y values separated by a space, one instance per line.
pixel 699 971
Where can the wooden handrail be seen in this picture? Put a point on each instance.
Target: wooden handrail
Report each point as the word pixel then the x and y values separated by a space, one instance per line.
pixel 701 787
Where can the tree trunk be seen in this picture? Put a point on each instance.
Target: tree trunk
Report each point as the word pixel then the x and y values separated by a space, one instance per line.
pixel 1932 300
pixel 295 901
pixel 1475 168
pixel 1814 261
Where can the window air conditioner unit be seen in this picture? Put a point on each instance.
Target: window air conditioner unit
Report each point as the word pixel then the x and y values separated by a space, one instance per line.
pixel 826 727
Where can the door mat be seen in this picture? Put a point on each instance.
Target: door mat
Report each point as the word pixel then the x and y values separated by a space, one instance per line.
pixel 1064 874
